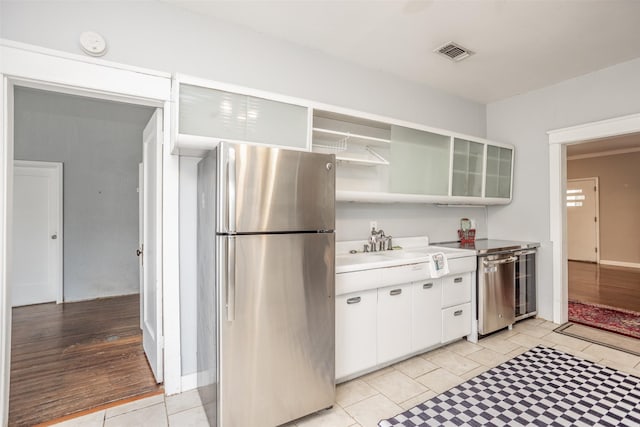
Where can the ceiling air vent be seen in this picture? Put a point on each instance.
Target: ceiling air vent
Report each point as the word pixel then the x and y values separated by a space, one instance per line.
pixel 454 51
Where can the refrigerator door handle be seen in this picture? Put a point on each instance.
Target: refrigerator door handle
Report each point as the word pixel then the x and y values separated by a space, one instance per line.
pixel 231 279
pixel 231 190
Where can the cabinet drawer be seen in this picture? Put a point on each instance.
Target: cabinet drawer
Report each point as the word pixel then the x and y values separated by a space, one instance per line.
pixel 356 315
pixel 405 273
pixel 357 280
pixel 456 322
pixel 456 289
pixel 394 322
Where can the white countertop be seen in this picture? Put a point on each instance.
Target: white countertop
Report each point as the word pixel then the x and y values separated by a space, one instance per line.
pixel 413 250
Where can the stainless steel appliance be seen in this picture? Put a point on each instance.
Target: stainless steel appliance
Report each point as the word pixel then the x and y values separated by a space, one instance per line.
pixel 526 305
pixel 496 291
pixel 506 281
pixel 266 279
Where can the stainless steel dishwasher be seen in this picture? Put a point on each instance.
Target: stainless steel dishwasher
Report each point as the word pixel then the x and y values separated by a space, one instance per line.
pixel 496 291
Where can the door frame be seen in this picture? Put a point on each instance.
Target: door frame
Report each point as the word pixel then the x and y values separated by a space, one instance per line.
pixel 558 141
pixel 41 68
pixel 58 169
pixel 597 181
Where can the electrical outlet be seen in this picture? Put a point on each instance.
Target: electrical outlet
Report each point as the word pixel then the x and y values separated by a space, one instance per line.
pixel 373 225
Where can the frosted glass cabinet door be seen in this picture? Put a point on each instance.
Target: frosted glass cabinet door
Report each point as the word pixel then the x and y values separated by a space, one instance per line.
pixel 468 159
pixel 498 177
pixel 231 116
pixel 210 112
pixel 277 123
pixel 419 162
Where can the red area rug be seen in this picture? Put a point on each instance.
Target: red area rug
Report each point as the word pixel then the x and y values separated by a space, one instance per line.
pixel 617 320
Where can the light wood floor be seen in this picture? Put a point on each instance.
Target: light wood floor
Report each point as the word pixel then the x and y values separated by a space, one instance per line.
pixel 66 358
pixel 602 284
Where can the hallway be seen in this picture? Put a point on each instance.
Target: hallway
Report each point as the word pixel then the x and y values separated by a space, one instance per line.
pixel 67 358
pixel 617 287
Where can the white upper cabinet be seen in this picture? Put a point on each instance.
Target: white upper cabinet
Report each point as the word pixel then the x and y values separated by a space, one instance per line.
pixel 206 115
pixel 382 162
pixel 498 174
pixel 419 162
pixel 468 163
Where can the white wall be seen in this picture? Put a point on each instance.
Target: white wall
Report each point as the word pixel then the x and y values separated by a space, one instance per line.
pixel 523 121
pixel 162 37
pixel 406 220
pixel 100 145
pixel 166 38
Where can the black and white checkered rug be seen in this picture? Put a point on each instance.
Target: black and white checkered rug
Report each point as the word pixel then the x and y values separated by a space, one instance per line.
pixel 542 387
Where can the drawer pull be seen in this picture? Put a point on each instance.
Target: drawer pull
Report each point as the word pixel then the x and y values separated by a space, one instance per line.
pixel 427 286
pixel 457 313
pixel 457 280
pixel 395 292
pixel 354 300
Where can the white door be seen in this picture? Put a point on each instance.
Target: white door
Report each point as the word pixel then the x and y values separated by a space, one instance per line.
pixel 140 233
pixel 37 233
pixel 582 219
pixel 151 293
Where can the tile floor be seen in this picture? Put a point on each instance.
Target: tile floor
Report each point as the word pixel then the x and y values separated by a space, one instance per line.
pixel 384 393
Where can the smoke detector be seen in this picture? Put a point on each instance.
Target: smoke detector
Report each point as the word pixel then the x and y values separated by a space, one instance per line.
pixel 454 51
pixel 93 43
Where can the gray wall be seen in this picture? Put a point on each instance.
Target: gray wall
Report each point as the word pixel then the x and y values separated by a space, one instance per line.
pixel 100 144
pixel 524 120
pixel 163 37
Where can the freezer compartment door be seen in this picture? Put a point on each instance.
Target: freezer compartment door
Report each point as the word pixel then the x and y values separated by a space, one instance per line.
pixel 267 189
pixel 277 355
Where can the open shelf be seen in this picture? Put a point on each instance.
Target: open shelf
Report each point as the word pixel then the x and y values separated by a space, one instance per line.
pixel 321 135
pixel 366 156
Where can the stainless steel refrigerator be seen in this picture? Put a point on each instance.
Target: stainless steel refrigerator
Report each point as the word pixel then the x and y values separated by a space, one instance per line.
pixel 266 279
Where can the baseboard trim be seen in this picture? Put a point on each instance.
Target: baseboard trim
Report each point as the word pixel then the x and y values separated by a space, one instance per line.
pixel 620 263
pixel 189 382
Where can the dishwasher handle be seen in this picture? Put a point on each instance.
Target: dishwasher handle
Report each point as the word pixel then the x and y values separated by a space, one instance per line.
pixel 490 263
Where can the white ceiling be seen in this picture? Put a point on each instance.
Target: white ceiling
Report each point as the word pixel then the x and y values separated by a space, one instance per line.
pixel 520 45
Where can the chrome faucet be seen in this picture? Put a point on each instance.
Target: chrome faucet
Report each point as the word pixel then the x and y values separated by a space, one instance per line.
pixel 378 240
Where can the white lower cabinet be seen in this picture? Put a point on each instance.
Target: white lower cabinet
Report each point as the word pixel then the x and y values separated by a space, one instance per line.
pixel 456 322
pixel 356 332
pixel 386 323
pixel 426 317
pixel 394 322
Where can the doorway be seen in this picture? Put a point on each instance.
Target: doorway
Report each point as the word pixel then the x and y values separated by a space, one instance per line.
pixel 94 333
pixel 559 140
pixel 30 66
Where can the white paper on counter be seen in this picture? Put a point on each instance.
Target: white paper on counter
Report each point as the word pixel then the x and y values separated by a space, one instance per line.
pixel 438 265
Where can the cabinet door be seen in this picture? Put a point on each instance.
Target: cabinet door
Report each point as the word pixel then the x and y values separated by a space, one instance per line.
pixel 230 116
pixel 394 322
pixel 277 123
pixel 419 162
pixel 209 112
pixel 468 160
pixel 456 322
pixel 498 175
pixel 426 324
pixel 355 332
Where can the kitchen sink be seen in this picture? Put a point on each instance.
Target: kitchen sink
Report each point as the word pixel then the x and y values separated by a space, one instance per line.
pixel 359 258
pixel 403 254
